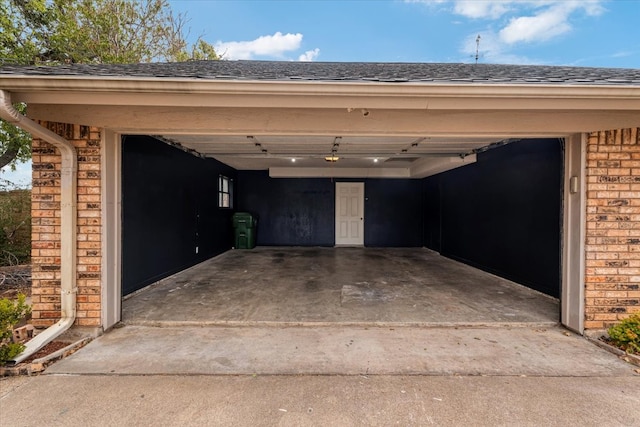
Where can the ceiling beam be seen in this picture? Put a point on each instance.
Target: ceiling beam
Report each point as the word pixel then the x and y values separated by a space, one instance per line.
pixel 425 167
pixel 278 121
pixel 334 172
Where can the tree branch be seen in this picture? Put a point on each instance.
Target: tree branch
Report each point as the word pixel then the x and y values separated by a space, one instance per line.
pixel 8 156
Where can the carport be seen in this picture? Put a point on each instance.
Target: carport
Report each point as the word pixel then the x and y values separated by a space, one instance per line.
pixel 484 164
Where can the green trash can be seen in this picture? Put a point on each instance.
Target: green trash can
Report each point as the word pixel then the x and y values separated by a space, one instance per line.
pixel 244 225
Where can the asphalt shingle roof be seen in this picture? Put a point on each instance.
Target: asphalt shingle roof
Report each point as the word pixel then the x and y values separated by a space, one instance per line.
pixel 433 73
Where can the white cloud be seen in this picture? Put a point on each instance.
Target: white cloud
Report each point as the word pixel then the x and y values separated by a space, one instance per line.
pixel 274 45
pixel 477 9
pixel 495 9
pixel 481 9
pixel 543 26
pixel 427 1
pixel 513 22
pixel 593 7
pixel 309 55
pixel 623 54
pixel 510 23
pixel 549 22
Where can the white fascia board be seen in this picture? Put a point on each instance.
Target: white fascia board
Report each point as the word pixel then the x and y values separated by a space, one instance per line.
pixel 352 95
pixel 429 166
pixel 337 172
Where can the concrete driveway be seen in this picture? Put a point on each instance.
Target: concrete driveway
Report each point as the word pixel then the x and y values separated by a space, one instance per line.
pixel 115 400
pixel 369 348
pixel 341 350
pixel 314 376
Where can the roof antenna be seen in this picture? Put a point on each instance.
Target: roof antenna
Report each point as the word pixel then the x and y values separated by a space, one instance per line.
pixel 477 48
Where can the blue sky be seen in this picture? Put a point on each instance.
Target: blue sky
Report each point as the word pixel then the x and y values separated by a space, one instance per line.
pixel 598 33
pixel 603 33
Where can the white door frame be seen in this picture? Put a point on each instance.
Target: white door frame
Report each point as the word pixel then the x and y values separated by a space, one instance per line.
pixel 337 204
pixel 573 233
pixel 111 294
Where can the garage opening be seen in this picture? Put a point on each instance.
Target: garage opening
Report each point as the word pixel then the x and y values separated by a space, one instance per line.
pixel 171 217
pixel 500 215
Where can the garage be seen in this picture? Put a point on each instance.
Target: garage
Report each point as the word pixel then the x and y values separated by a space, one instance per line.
pixel 525 173
pixel 500 213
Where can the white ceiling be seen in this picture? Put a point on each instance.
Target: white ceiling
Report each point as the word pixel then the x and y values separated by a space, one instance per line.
pixel 260 152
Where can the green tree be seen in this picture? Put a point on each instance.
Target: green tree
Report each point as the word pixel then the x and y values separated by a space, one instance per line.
pixel 15 144
pixel 50 32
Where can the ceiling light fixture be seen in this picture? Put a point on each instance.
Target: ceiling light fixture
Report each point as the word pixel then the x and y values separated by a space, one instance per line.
pixel 375 160
pixel 332 158
pixel 293 160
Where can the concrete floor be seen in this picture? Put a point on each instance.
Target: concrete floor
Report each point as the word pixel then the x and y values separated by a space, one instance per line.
pixel 293 286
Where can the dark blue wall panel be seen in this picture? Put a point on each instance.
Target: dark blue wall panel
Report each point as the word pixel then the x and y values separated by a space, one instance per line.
pixel 291 212
pixel 301 211
pixel 393 213
pixel 502 214
pixel 431 203
pixel 169 206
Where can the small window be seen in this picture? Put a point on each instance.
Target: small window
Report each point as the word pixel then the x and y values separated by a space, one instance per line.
pixel 225 192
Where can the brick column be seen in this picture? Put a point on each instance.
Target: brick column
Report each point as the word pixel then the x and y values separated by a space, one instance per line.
pixel 612 277
pixel 45 253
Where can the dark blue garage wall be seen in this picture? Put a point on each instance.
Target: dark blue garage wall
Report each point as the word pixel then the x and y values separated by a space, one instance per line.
pixel 291 212
pixel 169 206
pixel 431 203
pixel 502 214
pixel 301 211
pixel 393 213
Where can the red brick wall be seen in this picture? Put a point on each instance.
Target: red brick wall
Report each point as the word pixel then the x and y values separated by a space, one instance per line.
pixel 612 277
pixel 45 252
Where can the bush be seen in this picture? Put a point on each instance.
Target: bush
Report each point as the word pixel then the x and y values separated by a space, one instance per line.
pixel 11 313
pixel 626 334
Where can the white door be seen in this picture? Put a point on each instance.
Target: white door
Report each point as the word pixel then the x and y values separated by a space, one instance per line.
pixel 349 213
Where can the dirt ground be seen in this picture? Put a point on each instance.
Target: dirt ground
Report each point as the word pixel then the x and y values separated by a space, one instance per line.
pixel 15 279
